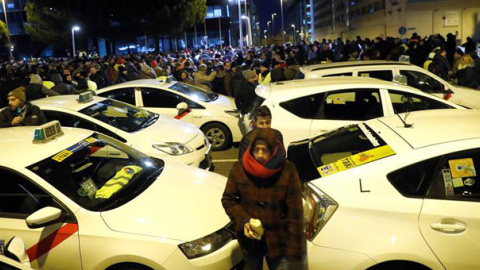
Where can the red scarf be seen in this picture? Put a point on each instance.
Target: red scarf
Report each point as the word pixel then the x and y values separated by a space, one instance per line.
pixel 273 165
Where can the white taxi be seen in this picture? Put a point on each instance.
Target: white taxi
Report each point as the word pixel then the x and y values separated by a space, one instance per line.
pixel 399 192
pixel 216 115
pixel 153 134
pixel 82 200
pixel 417 77
pixel 306 108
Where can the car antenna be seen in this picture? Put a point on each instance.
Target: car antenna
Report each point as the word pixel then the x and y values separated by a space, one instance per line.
pixel 404 120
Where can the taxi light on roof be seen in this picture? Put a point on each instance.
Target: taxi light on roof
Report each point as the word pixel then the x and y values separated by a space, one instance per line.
pixel 400 79
pixel 47 132
pixel 85 97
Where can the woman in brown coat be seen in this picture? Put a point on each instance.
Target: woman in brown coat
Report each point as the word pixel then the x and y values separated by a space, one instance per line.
pixel 266 187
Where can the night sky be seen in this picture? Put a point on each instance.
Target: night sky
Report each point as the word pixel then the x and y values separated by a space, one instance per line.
pixel 265 10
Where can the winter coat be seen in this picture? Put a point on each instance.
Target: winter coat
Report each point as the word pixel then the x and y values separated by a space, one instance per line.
pixel 61 87
pixel 275 200
pixel 202 80
pixel 32 115
pixel 245 96
pixel 36 89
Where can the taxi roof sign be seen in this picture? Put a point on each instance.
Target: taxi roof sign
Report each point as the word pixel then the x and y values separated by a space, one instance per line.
pixel 47 132
pixel 85 97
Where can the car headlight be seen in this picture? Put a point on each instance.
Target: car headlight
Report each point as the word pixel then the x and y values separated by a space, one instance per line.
pixel 207 244
pixel 173 148
pixel 318 207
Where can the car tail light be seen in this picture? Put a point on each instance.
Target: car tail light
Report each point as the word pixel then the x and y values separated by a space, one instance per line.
pixel 318 207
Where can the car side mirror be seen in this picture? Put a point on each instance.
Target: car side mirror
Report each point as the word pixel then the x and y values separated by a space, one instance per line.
pixel 15 250
pixel 182 107
pixel 44 217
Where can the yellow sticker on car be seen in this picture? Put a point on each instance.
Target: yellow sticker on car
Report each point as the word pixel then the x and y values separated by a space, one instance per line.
pixel 462 167
pixel 62 155
pixel 91 140
pixel 355 160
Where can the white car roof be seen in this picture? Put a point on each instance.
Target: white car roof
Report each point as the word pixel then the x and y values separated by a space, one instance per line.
pixel 432 127
pixel 18 148
pixel 68 102
pixel 296 88
pixel 137 83
pixel 353 64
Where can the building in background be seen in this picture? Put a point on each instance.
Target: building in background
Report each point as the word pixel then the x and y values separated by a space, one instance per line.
pixel 300 14
pixel 398 18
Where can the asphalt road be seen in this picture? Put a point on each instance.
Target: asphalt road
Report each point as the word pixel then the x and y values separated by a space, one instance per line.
pixel 223 160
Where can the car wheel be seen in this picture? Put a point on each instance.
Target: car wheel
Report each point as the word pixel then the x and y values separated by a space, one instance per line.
pixel 218 135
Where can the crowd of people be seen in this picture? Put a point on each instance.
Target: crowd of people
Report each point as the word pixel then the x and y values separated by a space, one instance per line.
pixel 236 72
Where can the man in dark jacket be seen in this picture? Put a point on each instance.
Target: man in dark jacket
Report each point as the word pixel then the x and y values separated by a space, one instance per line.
pixel 20 112
pixel 61 87
pixel 36 89
pixel 246 94
pixel 263 199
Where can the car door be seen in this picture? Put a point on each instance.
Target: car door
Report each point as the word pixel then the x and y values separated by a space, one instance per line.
pixel 342 107
pixel 449 219
pixel 52 247
pixel 164 102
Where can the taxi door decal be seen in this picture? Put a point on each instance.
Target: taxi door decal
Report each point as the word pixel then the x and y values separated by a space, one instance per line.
pixel 51 241
pixel 183 114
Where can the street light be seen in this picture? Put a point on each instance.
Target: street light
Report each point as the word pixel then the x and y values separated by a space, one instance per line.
pixel 268 25
pixel 293 26
pixel 249 29
pixel 281 10
pixel 273 22
pixel 74 28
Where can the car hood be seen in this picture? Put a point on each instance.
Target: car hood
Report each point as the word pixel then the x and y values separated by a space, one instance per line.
pixel 226 102
pixel 166 129
pixel 466 97
pixel 182 204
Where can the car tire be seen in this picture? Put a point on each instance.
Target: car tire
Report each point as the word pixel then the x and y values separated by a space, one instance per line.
pixel 218 135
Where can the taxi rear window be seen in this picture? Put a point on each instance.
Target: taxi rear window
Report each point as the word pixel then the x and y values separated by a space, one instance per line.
pixel 346 148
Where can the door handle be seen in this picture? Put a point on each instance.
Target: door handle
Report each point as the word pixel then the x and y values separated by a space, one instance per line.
pixel 448 228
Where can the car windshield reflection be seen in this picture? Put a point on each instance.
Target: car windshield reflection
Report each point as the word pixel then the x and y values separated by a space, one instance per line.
pixel 99 173
pixel 195 93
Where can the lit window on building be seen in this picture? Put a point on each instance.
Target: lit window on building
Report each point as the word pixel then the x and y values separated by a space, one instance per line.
pixel 10 6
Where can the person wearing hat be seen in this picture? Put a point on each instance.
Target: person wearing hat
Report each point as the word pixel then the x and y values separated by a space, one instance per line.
pixel 20 112
pixel 265 74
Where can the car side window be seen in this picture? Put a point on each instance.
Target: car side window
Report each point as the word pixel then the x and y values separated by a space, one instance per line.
pixel 304 107
pixel 357 105
pixel 457 177
pixel 68 120
pixel 414 180
pixel 19 197
pixel 126 95
pixel 385 75
pixel 348 74
pixel 422 81
pixel 160 98
pixel 404 101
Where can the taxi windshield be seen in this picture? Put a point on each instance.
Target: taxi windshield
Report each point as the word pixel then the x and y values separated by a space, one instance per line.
pixel 346 148
pixel 121 115
pixel 99 173
pixel 195 93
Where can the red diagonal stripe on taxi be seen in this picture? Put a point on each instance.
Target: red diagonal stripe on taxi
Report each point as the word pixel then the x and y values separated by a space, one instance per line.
pixel 51 241
pixel 183 114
